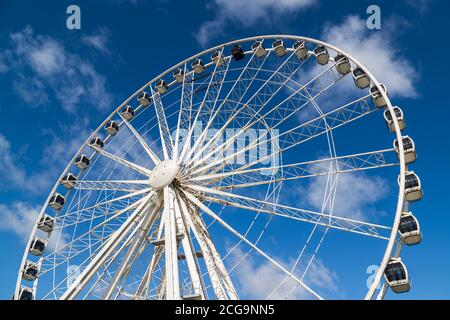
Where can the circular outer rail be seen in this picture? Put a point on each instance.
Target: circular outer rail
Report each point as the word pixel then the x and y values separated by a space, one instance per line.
pixel 401 194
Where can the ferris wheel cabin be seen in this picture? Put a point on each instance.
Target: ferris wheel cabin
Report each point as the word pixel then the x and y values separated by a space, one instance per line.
pixel 38 246
pixel 397 276
pixel 26 293
pixel 409 149
pixel 343 66
pixel 377 97
pixel 413 187
pixel 198 66
pixel 237 52
pixel 400 119
pixel 409 229
pixel 112 127
pixel 57 201
pixel 68 181
pixel 82 162
pixel 30 271
pixel 217 58
pixel 278 46
pixel 46 223
pixel 144 99
pixel 161 86
pixel 301 51
pixel 179 75
pixel 127 113
pixel 360 78
pixel 97 143
pixel 322 55
pixel 258 49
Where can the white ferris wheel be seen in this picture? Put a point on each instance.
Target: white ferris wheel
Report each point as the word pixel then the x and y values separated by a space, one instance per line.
pixel 201 183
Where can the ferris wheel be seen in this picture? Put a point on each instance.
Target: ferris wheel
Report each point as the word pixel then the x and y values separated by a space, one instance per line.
pixel 227 177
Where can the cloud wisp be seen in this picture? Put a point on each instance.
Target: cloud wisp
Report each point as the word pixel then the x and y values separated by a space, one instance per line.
pixel 377 50
pixel 247 13
pixel 43 68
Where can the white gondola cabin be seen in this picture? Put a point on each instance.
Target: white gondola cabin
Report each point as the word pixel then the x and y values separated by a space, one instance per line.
pixel 144 99
pixel 400 119
pixel 38 246
pixel 161 86
pixel 413 187
pixel 301 51
pixel 97 142
pixel 179 75
pixel 279 47
pixel 360 78
pixel 46 223
pixel 127 113
pixel 68 181
pixel 25 293
pixel 82 162
pixel 198 66
pixel 377 97
pixel 258 49
pixel 112 127
pixel 30 271
pixel 217 58
pixel 57 201
pixel 343 66
pixel 409 149
pixel 397 276
pixel 237 52
pixel 409 229
pixel 322 55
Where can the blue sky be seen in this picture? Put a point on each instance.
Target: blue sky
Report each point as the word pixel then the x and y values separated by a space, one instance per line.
pixel 51 101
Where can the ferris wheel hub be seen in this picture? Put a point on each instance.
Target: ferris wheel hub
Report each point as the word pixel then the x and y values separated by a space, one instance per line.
pixel 163 174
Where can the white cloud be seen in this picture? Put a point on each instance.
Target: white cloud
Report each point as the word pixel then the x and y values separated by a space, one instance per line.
pixel 5 61
pixel 44 68
pixel 10 172
pixel 98 40
pixel 355 196
pixel 248 13
pixel 421 5
pixel 378 50
pixel 61 147
pixel 18 218
pixel 256 280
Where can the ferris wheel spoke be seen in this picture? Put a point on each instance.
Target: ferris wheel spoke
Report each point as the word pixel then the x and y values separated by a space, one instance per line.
pixel 164 131
pixel 92 255
pixel 286 140
pixel 126 163
pixel 187 92
pixel 209 105
pixel 208 211
pixel 143 287
pixel 116 238
pixel 333 221
pixel 220 280
pixel 235 95
pixel 259 99
pixel 111 185
pixel 211 98
pixel 188 250
pixel 130 256
pixel 103 206
pixel 141 140
pixel 310 169
pixel 79 245
pixel 280 113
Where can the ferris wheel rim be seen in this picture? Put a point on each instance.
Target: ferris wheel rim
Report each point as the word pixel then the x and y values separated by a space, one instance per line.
pixel 389 106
